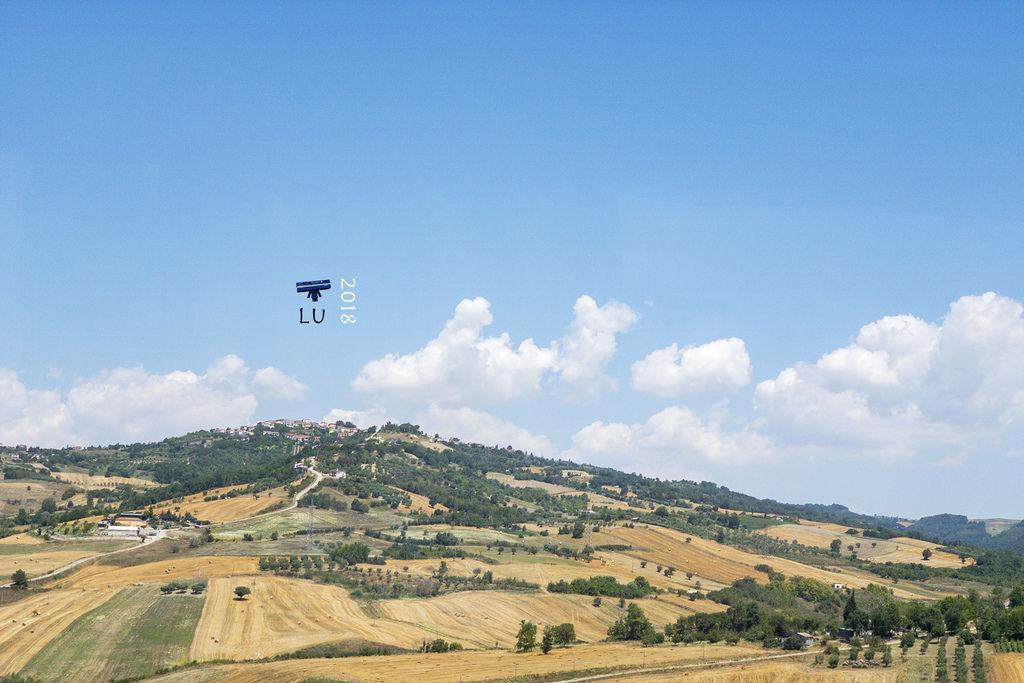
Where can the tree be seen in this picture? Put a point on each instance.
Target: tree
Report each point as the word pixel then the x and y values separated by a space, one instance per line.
pixel 926 553
pixel 906 642
pixel 887 655
pixel 978 663
pixel 835 546
pixel 853 616
pixel 634 626
pixel 564 634
pixel 242 591
pixel 885 618
pixel 793 642
pixel 1017 596
pixel 547 641
pixel 19 579
pixel 526 639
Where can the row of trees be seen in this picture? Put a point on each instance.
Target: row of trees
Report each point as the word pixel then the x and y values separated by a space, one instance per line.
pixel 562 635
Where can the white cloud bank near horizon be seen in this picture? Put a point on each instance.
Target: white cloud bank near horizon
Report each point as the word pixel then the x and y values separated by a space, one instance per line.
pixel 123 405
pixel 903 389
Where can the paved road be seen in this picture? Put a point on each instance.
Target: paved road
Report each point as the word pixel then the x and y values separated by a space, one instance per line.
pixel 295 501
pixel 147 540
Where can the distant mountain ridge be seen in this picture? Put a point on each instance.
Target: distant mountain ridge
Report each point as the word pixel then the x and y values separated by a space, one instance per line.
pixel 951 528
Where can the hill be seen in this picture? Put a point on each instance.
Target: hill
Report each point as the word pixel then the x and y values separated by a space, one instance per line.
pixel 416 555
pixel 959 529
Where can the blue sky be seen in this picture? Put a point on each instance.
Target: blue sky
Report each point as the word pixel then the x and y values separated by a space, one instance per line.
pixel 752 184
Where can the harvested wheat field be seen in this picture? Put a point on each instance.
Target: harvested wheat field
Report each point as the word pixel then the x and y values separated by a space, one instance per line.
pixel 899 549
pixel 805 535
pixel 708 561
pixel 467 666
pixel 509 480
pixel 424 441
pixel 28 625
pixel 21 539
pixel 485 618
pixel 774 670
pixel 692 606
pixel 939 558
pixel 1007 668
pixel 227 509
pixel 482 619
pixel 39 563
pixel 96 481
pixel 539 571
pixel 283 615
pixel 724 564
pixel 827 526
pixel 164 571
pixel 557 489
pixel 27 493
pixel 419 503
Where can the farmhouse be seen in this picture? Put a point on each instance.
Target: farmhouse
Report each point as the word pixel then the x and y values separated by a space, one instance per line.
pixel 338 474
pixel 300 467
pixel 130 519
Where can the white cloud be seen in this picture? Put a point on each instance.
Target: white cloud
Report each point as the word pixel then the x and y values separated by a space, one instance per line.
pixel 130 404
pixel 717 366
pixel 274 383
pixel 590 344
pixel 463 366
pixel 374 417
pixel 906 386
pixel 29 415
pixel 474 425
pixel 671 442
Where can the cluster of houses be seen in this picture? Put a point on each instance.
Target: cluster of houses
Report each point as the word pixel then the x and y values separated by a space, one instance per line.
pixel 302 466
pixel 246 431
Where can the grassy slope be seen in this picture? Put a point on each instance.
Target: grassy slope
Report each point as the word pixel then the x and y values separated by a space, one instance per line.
pixel 134 633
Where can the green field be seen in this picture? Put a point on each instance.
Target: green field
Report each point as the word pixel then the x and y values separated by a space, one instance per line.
pixel 293 520
pixel 133 634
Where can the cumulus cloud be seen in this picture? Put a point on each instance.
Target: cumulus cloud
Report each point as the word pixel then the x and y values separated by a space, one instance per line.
pixel 718 366
pixel 907 386
pixel 474 425
pixel 374 417
pixel 671 441
pixel 130 404
pixel 274 383
pixel 462 365
pixel 29 415
pixel 590 344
